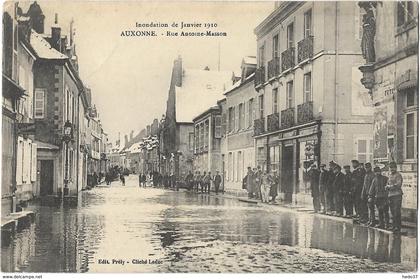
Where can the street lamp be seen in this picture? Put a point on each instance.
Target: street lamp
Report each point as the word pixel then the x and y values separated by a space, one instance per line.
pixel 67 137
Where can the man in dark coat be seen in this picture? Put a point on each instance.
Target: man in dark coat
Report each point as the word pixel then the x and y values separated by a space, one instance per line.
pixel 203 182
pixel 367 209
pixel 274 186
pixel 379 196
pixel 314 174
pixel 330 188
pixel 217 182
pixel 250 183
pixel 358 177
pixel 338 186
pixel 348 191
pixel 189 179
pixel 323 180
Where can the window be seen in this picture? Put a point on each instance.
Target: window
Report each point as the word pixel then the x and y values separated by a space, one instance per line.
pixel 410 98
pixel 307 87
pixel 404 12
pixel 217 126
pixel 231 119
pixel 191 141
pixel 364 150
pixel 261 104
pixel 251 112
pixel 308 23
pixel 206 134
pixel 241 116
pixel 261 52
pixel 230 167
pixel 39 103
pixel 275 100
pixel 274 157
pixel 410 136
pixel 289 100
pixel 290 36
pixel 19 161
pixel 239 165
pixel 276 46
pixel 201 136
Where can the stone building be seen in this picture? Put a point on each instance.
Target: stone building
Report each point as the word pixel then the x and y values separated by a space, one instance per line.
pixel 204 86
pixel 239 120
pixel 207 136
pixel 19 151
pixel 391 75
pixel 311 106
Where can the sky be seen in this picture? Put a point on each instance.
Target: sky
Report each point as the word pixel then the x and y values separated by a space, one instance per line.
pixel 129 76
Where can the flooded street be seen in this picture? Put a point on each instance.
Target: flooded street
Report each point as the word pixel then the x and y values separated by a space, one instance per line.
pixel 185 232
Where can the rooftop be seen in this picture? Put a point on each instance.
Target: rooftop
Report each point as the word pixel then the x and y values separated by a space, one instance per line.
pixel 43 49
pixel 200 90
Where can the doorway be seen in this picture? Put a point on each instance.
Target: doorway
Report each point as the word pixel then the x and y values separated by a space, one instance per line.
pixel 46 177
pixel 287 179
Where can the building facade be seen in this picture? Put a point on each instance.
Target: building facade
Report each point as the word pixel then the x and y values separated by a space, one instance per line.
pixel 311 106
pixel 390 73
pixel 206 138
pixel 239 118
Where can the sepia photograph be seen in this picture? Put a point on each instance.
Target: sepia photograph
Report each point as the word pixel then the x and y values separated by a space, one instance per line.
pixel 233 137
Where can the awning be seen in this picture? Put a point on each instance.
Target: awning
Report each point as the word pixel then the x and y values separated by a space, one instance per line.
pixel 11 88
pixel 44 145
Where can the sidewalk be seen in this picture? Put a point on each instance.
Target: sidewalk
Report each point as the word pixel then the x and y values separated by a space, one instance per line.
pixel 408 228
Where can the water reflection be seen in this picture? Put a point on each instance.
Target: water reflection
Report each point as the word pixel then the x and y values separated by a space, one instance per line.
pixel 144 223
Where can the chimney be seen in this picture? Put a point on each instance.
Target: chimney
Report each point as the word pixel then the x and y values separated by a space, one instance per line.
pixel 37 17
pixel 56 34
pixel 125 140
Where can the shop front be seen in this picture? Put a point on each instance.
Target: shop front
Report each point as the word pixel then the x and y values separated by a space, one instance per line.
pixel 291 152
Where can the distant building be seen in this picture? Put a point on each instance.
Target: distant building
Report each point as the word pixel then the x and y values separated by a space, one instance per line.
pixel 190 93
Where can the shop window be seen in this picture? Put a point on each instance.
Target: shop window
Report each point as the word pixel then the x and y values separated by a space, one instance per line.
pixel 239 166
pixel 274 157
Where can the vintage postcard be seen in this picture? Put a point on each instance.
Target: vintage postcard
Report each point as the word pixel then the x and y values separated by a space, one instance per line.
pixel 209 137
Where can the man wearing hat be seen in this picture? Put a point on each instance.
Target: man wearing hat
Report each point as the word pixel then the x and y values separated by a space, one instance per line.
pixel 367 209
pixel 358 177
pixel 338 190
pixel 395 193
pixel 348 191
pixel 314 182
pixel 323 180
pixel 379 196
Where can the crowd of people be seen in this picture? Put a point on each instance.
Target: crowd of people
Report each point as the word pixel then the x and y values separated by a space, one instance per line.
pixel 202 182
pixel 359 193
pixel 261 184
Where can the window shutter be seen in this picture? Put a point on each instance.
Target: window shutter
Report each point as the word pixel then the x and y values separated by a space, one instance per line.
pixel 27 153
pixel 236 119
pixel 34 162
pixel 39 103
pixel 19 161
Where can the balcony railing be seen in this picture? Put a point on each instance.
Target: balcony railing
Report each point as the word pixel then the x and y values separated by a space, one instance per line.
pixel 259 126
pixel 273 122
pixel 305 112
pixel 305 48
pixel 287 118
pixel 260 76
pixel 273 67
pixel 288 59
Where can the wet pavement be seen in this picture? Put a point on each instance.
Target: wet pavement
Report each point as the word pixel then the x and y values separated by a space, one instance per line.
pixel 132 229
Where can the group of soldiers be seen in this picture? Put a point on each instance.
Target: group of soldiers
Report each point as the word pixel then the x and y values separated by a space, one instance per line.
pixel 359 192
pixel 261 184
pixel 202 182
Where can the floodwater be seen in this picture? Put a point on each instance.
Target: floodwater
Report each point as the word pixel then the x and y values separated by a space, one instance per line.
pixel 132 229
